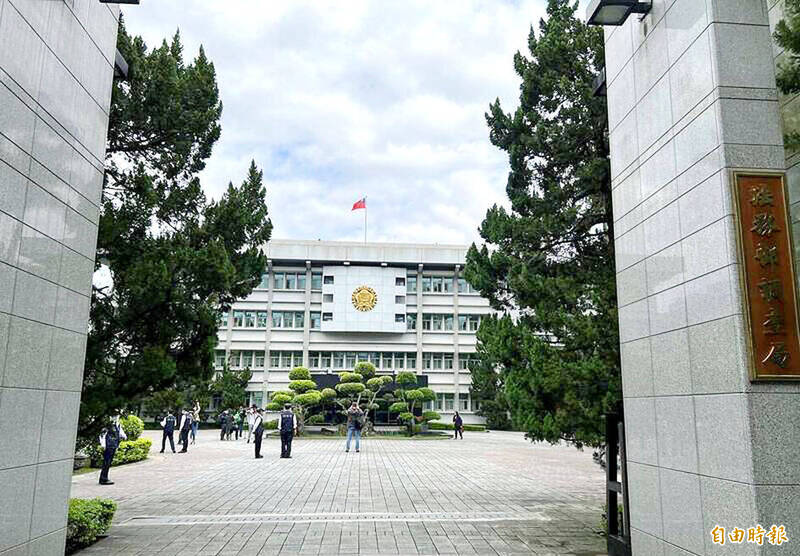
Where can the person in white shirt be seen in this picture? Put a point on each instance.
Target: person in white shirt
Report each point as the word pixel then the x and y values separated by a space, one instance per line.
pixel 186 426
pixel 110 437
pixel 258 431
pixel 252 414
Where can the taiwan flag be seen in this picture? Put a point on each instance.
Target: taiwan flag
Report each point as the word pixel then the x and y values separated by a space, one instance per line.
pixel 360 204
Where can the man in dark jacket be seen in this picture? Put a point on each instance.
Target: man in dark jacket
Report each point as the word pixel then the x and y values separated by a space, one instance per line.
pixel 288 427
pixel 223 424
pixel 186 428
pixel 258 432
pixel 110 437
pixel 168 424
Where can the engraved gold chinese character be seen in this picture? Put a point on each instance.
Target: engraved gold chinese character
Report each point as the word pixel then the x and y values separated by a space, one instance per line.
pixel 761 196
pixel 767 255
pixel 778 354
pixel 771 290
pixel 774 321
pixel 764 224
pixel 718 535
pixel 777 535
pixel 737 535
pixel 756 535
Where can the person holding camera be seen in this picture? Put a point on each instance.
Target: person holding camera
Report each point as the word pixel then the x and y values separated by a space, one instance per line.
pixel 355 421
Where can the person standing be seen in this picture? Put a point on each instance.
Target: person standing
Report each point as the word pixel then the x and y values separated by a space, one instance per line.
pixel 223 424
pixel 252 413
pixel 186 426
pixel 237 424
pixel 168 424
pixel 195 420
pixel 258 431
pixel 354 423
pixel 458 426
pixel 110 437
pixel 228 424
pixel 288 426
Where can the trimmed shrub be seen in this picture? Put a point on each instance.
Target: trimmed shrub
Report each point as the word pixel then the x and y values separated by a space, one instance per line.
pixel 271 425
pixel 281 398
pixel 87 520
pixel 430 416
pixel 129 451
pixel 328 393
pixel 348 388
pixel 377 382
pixel 299 373
pixel 405 417
pixel 449 426
pixel 274 406
pixel 398 407
pixel 317 419
pixel 414 396
pixel 309 398
pixel 301 386
pixel 365 369
pixel 132 425
pixel 350 377
pixel 406 378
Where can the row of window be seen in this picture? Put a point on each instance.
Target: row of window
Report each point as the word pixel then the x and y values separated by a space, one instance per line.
pixel 430 284
pixel 441 322
pixel 446 402
pixel 338 360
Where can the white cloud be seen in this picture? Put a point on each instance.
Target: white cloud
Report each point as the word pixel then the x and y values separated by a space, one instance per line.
pixel 336 100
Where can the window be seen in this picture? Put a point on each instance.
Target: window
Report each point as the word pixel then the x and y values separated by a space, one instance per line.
pixel 328 280
pixel 350 360
pixel 299 319
pixel 427 405
pixel 277 319
pixel 448 360
pixel 462 322
pixel 374 358
pixel 250 319
pixel 438 284
pixel 279 281
pixel 465 359
pixel 286 360
pixel 448 402
pixel 264 283
pixel 427 361
pixel 386 360
pixel 274 359
pixel 400 299
pixel 316 319
pixel 439 402
pixel 338 360
pixel 437 360
pixel 399 359
pixel 327 317
pixel 469 323
pixel 301 281
pixel 291 281
pixel 247 360
pixel 411 321
pixel 222 319
pixel 463 402
pixel 313 360
pixel 426 321
pixel 411 284
pixel 426 284
pixel 399 318
pixel 447 284
pixel 327 298
pixel 448 322
pixel 262 319
pixel 316 281
pixel 464 286
pixel 256 398
pixel 288 319
pixel 259 360
pixel 219 359
pixel 438 322
pixel 325 360
pixel 476 405
pixel 399 281
pixel 238 318
pixel 234 359
pixel 411 361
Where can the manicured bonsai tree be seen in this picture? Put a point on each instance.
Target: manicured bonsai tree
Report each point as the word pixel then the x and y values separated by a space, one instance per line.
pixel 306 396
pixel 411 398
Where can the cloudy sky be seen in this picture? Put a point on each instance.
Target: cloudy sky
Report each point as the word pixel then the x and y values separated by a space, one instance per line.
pixel 337 100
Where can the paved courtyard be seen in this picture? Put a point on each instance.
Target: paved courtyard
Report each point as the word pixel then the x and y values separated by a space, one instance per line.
pixel 492 493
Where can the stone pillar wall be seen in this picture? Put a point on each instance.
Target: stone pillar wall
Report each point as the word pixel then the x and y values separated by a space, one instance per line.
pixel 691 94
pixel 56 70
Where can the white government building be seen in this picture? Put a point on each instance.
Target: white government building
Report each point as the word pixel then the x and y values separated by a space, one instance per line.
pixel 327 305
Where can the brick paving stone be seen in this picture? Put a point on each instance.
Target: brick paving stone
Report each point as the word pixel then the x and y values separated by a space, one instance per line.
pixel 493 493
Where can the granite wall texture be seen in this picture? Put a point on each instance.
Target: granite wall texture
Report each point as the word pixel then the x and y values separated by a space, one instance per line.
pixel 56 69
pixel 691 93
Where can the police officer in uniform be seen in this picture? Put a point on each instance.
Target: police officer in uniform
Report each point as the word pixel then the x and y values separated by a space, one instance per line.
pixel 186 427
pixel 168 423
pixel 288 427
pixel 110 437
pixel 257 429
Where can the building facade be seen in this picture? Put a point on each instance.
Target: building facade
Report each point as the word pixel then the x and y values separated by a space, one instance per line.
pixel 56 70
pixel 327 305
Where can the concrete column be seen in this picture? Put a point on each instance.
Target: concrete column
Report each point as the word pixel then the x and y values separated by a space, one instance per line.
pixel 691 95
pixel 418 370
pixel 456 377
pixel 307 317
pixel 53 124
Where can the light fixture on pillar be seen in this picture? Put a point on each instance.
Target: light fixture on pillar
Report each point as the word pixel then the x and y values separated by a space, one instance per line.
pixel 614 12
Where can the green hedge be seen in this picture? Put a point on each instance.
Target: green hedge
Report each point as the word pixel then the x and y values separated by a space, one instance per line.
pixel 129 451
pixel 434 426
pixel 132 425
pixel 86 520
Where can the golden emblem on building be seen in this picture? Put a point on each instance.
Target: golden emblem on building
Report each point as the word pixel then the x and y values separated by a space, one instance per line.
pixel 364 298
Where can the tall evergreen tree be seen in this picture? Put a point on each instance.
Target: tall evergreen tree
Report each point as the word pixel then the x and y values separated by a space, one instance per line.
pixel 551 256
pixel 171 258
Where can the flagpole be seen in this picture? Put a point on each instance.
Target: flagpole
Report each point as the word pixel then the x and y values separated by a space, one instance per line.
pixel 365 218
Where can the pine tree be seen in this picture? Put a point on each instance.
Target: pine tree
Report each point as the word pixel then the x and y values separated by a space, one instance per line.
pixel 551 256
